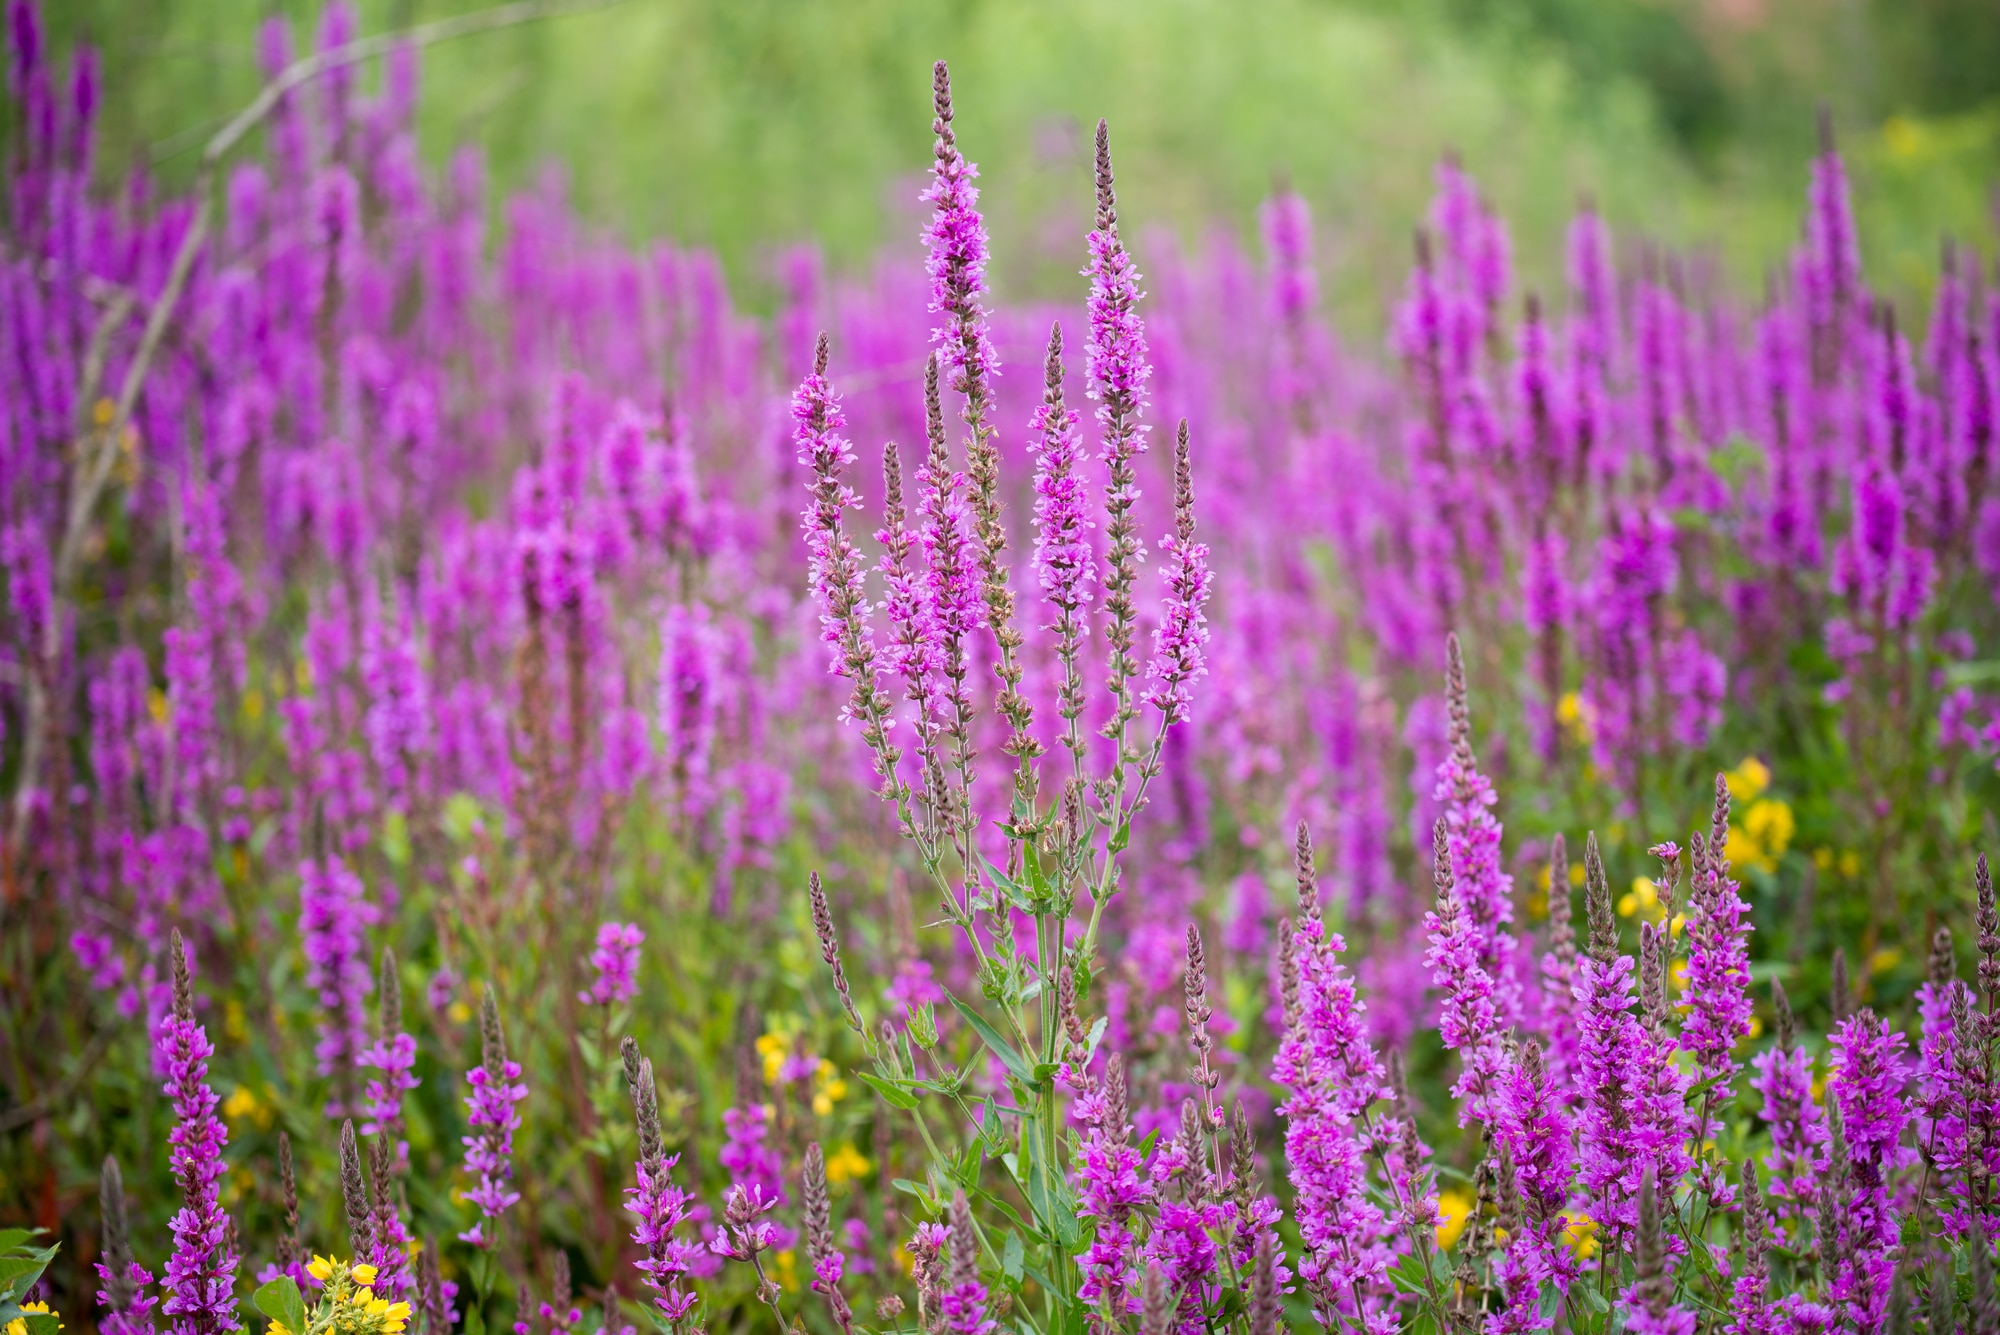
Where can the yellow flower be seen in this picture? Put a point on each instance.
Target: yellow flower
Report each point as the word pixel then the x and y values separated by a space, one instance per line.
pixel 845 1165
pixel 828 1087
pixel 1771 823
pixel 20 1327
pixel 1644 896
pixel 1580 1233
pixel 1850 864
pixel 1677 974
pixel 459 1012
pixel 277 1328
pixel 1455 1209
pixel 363 1274
pixel 321 1268
pixel 1576 717
pixel 787 1268
pixel 391 1315
pixel 156 705
pixel 1748 780
pixel 771 1047
pixel 1883 960
pixel 1575 874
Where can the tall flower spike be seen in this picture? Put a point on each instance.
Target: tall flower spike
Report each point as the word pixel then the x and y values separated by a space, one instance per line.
pixel 1194 986
pixel 1307 873
pixel 291 1254
pixel 1651 1296
pixel 1179 644
pixel 1117 366
pixel 201 1274
pixel 826 1259
pixel 1597 903
pixel 956 242
pixel 659 1205
pixel 354 1195
pixel 829 949
pixel 1988 921
pixel 1469 1018
pixel 394 1056
pixel 835 567
pixel 1065 562
pixel 963 1305
pixel 392 1241
pixel 124 1299
pixel 492 1119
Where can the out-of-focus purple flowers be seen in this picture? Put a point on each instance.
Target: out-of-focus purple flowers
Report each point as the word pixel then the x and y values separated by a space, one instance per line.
pixel 616 959
pixel 493 1120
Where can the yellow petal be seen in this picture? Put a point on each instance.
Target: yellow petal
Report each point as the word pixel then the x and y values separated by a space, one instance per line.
pixel 320 1268
pixel 364 1274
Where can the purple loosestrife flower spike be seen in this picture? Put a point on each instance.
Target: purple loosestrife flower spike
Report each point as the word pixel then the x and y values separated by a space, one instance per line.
pixel 1559 969
pixel 1118 369
pixel 491 1116
pixel 1469 1018
pixel 616 959
pixel 829 949
pixel 291 1252
pixel 201 1274
pixel 125 1303
pixel 1065 561
pixel 1750 1292
pixel 1484 892
pixel 394 1055
pixel 827 1261
pixel 392 1240
pixel 1332 1076
pixel 951 591
pixel 659 1205
pixel 354 1196
pixel 835 573
pixel 956 242
pixel 963 1305
pixel 334 916
pixel 1613 1053
pixel 1866 1082
pixel 1109 1189
pixel 1652 1310
pixel 1179 645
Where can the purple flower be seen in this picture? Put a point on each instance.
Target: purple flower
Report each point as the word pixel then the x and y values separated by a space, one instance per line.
pixel 1798 1157
pixel 394 1054
pixel 1109 1189
pixel 1718 969
pixel 1469 1017
pixel 1866 1080
pixel 835 575
pixel 1332 1075
pixel 962 1308
pixel 200 1276
pixel 490 1115
pixel 616 959
pixel 1614 1061
pixel 956 242
pixel 333 920
pixel 656 1202
pixel 1483 892
pixel 1179 653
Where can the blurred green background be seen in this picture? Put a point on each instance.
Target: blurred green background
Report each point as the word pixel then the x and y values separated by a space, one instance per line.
pixel 747 125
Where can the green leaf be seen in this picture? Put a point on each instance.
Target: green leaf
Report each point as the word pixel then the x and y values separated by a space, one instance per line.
pixel 41 1323
pixel 893 1095
pixel 1002 1049
pixel 20 1270
pixel 281 1301
pixel 1013 1257
pixel 475 1321
pixel 10 1238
